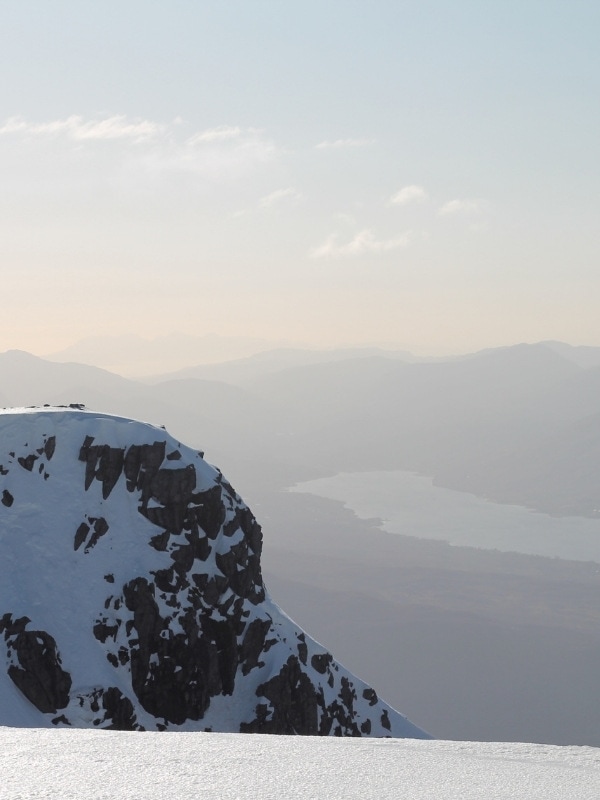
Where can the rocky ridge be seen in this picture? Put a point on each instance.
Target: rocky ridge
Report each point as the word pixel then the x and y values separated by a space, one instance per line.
pixel 131 594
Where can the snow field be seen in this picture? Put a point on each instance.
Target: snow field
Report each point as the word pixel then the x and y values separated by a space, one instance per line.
pixel 84 764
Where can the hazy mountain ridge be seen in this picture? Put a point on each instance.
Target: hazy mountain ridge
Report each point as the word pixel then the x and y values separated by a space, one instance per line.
pixel 135 355
pixel 513 424
pixel 269 362
pixel 209 356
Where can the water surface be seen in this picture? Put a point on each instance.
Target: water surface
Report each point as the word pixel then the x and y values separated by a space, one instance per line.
pixel 410 504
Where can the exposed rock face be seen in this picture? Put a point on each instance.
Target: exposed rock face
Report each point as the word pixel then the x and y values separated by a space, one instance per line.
pixel 35 666
pixel 131 594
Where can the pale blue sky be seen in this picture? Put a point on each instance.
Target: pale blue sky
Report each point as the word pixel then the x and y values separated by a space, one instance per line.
pixel 418 173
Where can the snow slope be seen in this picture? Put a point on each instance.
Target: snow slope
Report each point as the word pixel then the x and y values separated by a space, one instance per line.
pixel 177 766
pixel 131 594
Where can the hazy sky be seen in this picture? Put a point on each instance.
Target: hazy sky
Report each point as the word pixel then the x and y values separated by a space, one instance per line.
pixel 419 172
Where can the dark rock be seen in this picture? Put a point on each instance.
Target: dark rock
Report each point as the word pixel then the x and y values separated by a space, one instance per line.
pixel 49 447
pixel 254 644
pixel 103 463
pixel 160 541
pixel 81 534
pixel 36 668
pixel 100 528
pixel 293 701
pixel 119 710
pixel 142 462
pixel 370 695
pixel 320 662
pixel 102 630
pixel 209 511
pixel 27 462
pixel 302 648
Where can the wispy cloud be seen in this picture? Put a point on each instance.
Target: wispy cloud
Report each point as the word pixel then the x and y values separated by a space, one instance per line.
pixel 365 242
pixel 225 151
pixel 458 206
pixel 220 153
pixel 343 143
pixel 278 196
pixel 409 194
pixel 223 133
pixel 78 129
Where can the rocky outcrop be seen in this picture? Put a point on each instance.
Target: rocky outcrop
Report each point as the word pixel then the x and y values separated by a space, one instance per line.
pixel 34 665
pixel 132 595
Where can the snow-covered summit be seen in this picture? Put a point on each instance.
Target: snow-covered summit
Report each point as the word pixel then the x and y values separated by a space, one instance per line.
pixel 131 594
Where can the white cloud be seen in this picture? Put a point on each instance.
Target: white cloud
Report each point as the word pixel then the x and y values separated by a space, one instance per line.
pixel 216 154
pixel 458 206
pixel 223 133
pixel 278 196
pixel 167 140
pixel 340 143
pixel 224 157
pixel 409 194
pixel 363 243
pixel 78 129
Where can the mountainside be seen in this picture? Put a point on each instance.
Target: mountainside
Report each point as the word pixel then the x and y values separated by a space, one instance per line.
pixel 131 594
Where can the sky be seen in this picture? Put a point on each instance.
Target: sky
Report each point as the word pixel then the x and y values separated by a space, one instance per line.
pixel 422 174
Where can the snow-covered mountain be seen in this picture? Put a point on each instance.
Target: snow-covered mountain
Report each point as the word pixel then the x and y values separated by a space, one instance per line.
pixel 131 594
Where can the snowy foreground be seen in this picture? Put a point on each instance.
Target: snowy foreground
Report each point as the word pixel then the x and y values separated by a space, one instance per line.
pixel 82 764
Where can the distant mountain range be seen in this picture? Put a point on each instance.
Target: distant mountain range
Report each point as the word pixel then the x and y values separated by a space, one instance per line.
pixel 517 425
pixel 135 356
